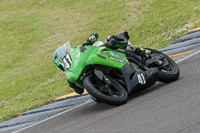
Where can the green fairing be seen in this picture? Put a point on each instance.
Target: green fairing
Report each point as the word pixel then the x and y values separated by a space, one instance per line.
pixel 92 55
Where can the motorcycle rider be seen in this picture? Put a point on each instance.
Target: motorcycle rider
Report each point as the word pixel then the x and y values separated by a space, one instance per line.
pixel 115 42
pixel 119 41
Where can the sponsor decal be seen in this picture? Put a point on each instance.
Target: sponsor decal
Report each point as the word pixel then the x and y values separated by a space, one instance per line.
pixel 101 48
pixel 77 55
pixel 113 54
pixel 118 60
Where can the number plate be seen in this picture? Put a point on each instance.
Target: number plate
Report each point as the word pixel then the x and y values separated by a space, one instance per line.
pixel 67 61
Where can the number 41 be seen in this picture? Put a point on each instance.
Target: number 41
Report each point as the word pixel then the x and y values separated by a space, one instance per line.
pixel 141 79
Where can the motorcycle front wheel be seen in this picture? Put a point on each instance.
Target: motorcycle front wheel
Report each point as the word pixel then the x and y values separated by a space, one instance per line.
pixel 112 94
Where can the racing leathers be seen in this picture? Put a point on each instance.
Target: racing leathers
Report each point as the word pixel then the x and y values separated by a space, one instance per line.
pixel 120 41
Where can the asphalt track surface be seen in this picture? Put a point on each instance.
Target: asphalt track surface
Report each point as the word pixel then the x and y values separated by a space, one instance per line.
pixel 163 108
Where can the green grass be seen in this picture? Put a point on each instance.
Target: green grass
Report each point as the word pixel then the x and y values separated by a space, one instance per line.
pixel 31 30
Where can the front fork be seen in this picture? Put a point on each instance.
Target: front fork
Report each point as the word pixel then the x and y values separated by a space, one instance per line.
pixel 101 76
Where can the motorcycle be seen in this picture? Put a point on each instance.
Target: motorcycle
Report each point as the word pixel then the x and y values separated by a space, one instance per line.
pixel 109 76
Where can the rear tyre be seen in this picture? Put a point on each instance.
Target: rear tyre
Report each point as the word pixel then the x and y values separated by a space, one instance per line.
pixel 168 73
pixel 114 94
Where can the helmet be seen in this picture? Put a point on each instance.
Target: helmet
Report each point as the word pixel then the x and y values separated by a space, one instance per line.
pixel 116 41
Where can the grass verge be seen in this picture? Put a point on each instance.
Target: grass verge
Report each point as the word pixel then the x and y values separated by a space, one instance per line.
pixel 31 30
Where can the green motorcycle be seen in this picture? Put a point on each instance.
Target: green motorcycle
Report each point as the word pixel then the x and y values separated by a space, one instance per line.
pixel 110 76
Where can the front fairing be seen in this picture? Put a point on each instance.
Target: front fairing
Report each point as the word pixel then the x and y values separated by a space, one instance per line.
pixel 81 57
pixel 90 55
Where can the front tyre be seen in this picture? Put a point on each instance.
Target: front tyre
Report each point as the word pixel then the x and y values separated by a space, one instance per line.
pixel 112 94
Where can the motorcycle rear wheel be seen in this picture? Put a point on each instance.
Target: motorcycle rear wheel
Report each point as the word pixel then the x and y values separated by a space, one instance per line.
pixel 169 72
pixel 114 94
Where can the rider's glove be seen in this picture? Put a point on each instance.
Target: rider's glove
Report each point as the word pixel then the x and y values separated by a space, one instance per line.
pixel 92 38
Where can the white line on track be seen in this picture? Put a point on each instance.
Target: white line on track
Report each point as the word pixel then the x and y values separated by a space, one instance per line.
pixel 53 116
pixel 178 61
